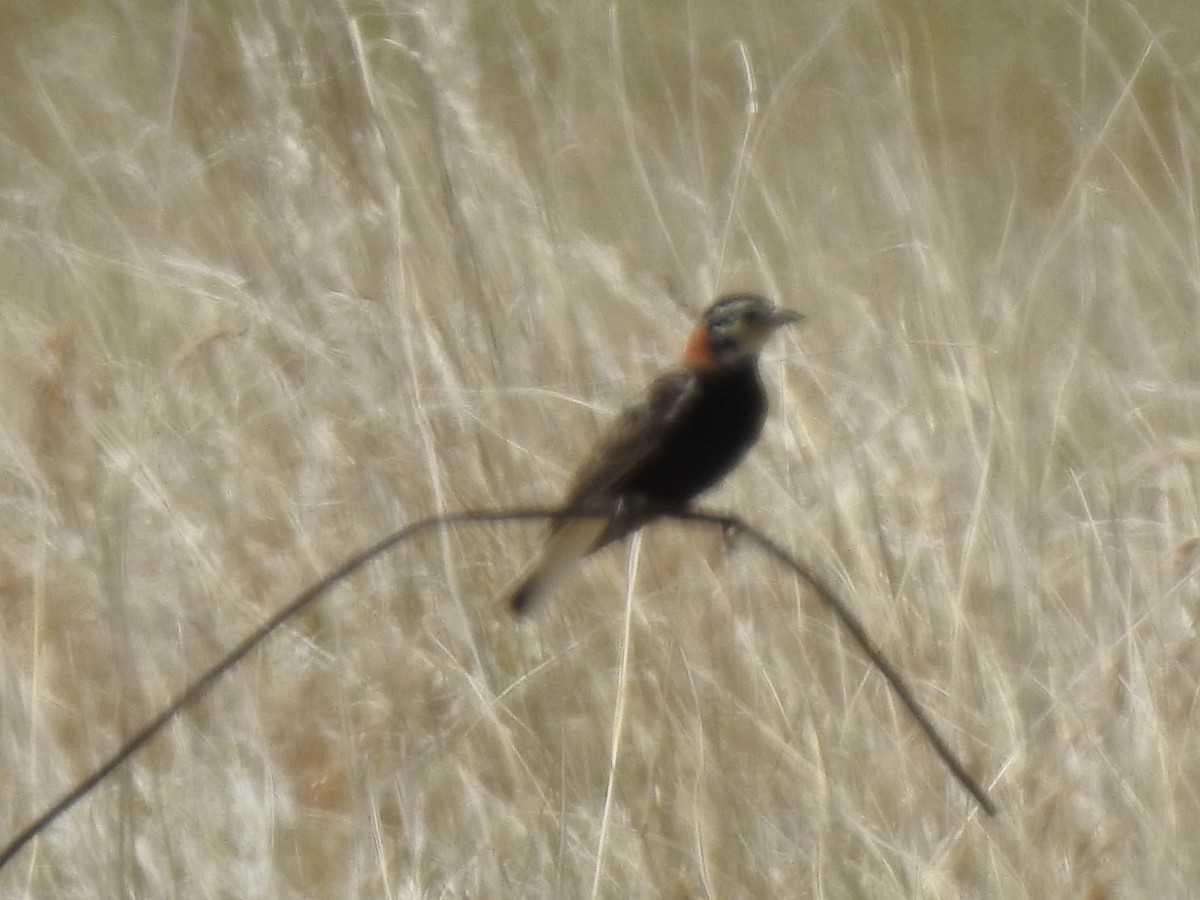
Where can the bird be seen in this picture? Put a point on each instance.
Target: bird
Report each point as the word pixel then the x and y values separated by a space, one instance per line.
pixel 693 424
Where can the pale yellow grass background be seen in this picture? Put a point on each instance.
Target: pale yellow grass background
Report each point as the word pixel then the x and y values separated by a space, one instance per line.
pixel 278 277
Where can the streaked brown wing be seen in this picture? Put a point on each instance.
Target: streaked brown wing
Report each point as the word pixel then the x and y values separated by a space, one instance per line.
pixel 633 438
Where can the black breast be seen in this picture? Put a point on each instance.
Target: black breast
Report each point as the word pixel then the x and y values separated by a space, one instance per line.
pixel 723 418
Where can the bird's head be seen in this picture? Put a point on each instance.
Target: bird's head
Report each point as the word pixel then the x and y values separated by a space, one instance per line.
pixel 733 330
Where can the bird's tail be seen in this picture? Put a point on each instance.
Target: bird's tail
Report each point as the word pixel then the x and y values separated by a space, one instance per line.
pixel 570 541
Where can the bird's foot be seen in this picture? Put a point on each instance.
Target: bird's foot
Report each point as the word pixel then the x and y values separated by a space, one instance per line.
pixel 731 533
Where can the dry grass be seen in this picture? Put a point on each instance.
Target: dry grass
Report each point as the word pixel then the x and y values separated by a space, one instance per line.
pixel 279 277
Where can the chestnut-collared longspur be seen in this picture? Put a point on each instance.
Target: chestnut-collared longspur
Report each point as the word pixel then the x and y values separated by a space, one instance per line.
pixel 696 421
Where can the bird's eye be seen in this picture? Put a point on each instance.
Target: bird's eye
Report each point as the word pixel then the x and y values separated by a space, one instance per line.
pixel 736 313
pixel 728 321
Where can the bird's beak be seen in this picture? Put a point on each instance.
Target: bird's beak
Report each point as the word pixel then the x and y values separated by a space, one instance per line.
pixel 781 317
